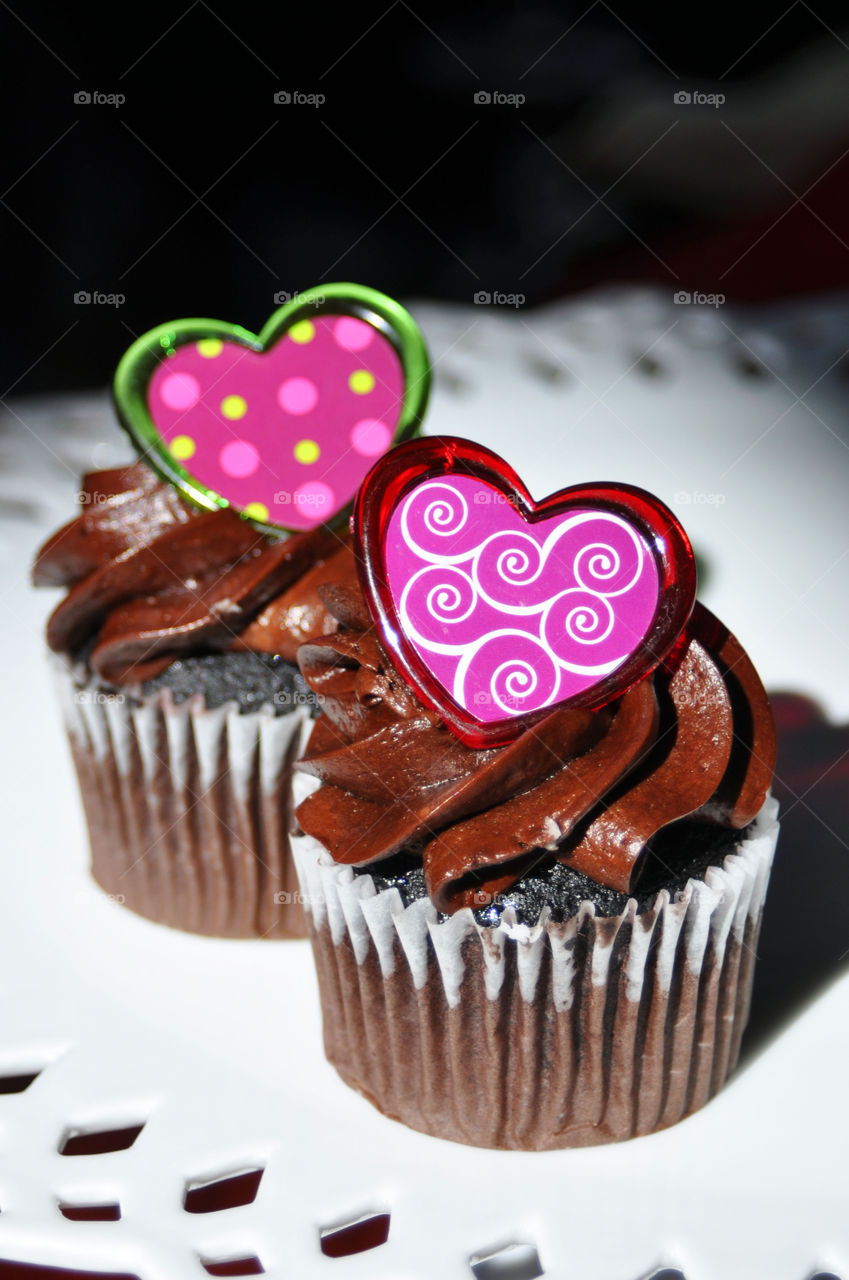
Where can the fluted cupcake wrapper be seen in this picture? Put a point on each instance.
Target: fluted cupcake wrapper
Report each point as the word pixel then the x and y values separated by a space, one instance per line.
pixel 189 808
pixel 566 1034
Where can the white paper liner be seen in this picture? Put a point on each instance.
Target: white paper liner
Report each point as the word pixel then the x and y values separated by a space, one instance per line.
pixel 641 1014
pixel 189 808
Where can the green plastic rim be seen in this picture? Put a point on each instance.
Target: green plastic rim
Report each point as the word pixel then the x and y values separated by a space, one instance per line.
pixel 140 361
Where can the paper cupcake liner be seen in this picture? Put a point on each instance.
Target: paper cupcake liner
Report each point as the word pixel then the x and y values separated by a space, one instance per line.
pixel 189 808
pixel 593 1030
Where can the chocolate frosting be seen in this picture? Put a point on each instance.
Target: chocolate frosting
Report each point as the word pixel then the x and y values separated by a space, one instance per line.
pixel 588 788
pixel 151 578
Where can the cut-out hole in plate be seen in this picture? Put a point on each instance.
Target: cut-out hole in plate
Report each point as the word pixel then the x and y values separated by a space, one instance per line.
pixel 751 367
pixel 233 1266
pixel 825 1275
pixel 90 1212
pixel 231 1191
pixel 17 1082
pixel 357 1235
pixel 664 1273
pixel 455 383
pixel 517 1260
pixel 647 365
pixel 99 1142
pixel 548 371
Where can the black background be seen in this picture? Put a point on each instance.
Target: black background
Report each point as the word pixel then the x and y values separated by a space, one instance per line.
pixel 201 196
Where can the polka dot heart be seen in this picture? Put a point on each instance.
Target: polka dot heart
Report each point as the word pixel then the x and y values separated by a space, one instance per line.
pixel 285 426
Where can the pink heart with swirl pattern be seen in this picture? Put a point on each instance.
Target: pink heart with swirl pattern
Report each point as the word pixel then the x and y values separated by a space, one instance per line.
pixel 497 608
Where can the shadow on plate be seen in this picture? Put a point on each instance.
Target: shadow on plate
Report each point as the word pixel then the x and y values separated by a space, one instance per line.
pixel 804 942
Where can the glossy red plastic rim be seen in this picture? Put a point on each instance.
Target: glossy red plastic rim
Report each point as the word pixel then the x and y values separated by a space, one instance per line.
pixel 416 461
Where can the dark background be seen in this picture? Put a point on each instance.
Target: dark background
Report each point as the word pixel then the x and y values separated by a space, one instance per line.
pixel 199 195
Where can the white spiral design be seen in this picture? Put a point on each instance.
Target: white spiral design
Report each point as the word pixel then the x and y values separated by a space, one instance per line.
pixel 436 510
pixel 509 619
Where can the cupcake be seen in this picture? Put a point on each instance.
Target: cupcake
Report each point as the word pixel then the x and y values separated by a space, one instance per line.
pixel 175 648
pixel 191 579
pixel 534 906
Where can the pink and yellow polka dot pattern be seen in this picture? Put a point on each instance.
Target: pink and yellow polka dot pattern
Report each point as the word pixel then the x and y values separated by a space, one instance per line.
pixel 286 436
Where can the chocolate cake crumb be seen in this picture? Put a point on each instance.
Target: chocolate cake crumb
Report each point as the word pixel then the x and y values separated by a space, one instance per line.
pixel 680 852
pixel 251 680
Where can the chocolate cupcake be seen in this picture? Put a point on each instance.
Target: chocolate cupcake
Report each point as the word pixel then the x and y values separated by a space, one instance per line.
pixel 175 655
pixel 189 595
pixel 548 941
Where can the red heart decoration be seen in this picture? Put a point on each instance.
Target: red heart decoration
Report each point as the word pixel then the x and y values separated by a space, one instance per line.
pixel 497 608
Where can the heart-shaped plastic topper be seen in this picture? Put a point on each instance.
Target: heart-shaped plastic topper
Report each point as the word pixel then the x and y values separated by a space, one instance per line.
pixel 498 608
pixel 284 425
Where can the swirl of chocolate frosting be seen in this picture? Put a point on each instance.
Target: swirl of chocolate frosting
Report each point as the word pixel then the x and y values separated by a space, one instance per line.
pixel 588 788
pixel 151 578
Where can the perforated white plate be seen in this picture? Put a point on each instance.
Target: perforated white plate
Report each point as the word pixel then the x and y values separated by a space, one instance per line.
pixel 214 1047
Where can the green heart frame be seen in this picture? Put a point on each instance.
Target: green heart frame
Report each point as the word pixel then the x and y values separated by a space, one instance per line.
pixel 141 360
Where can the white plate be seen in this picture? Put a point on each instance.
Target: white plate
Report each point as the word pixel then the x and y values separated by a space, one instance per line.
pixel 215 1045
